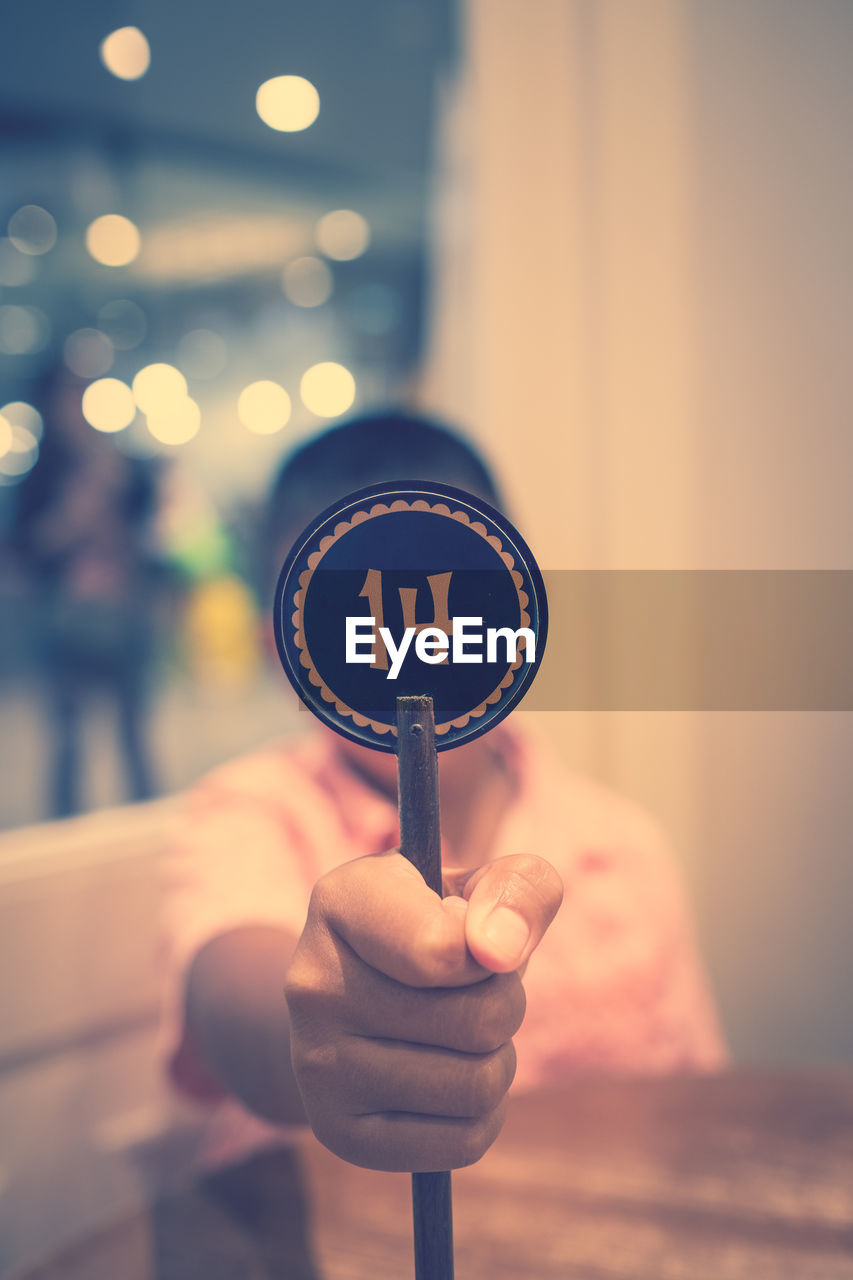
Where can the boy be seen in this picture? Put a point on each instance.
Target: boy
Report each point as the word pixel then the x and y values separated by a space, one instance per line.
pixel 396 1039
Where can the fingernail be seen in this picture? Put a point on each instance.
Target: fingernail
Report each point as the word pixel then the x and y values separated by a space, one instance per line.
pixel 507 932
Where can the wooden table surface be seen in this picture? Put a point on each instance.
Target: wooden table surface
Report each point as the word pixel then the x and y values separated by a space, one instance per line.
pixel 743 1175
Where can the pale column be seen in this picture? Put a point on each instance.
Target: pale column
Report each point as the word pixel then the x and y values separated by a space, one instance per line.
pixel 562 329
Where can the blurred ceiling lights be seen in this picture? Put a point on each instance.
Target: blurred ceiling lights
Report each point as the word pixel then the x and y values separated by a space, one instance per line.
pixel 21 452
pixel 20 433
pixel 264 407
pixel 126 53
pixel 113 240
pixel 342 234
pixel 21 414
pixel 285 241
pixel 177 423
pixel 5 435
pixel 158 388
pixel 327 389
pixel 287 103
pixel 108 405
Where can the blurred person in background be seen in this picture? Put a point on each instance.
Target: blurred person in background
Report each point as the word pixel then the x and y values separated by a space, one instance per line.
pixel 82 536
pixel 396 1040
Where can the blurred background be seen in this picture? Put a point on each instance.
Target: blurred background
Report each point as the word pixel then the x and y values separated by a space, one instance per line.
pixel 612 241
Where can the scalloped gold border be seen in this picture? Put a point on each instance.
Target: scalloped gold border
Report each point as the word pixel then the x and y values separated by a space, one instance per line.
pixel 359 517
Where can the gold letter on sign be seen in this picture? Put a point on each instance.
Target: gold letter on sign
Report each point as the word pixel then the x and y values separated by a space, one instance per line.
pixel 439 585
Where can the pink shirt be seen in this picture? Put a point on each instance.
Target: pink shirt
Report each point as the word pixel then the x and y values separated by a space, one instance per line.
pixel 616 985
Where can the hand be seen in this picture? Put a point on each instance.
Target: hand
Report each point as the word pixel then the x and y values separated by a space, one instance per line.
pixel 403 1006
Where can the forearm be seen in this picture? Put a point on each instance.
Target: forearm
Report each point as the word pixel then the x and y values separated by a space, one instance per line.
pixel 237 1016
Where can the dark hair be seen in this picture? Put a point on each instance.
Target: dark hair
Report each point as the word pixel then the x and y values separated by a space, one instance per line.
pixel 364 451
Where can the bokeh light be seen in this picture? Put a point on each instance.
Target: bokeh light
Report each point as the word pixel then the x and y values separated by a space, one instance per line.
pixel 23 441
pixel 158 388
pixel 342 234
pixel 176 424
pixel 264 407
pixel 307 282
pixel 202 353
pixel 32 229
pixel 123 322
pixel 5 435
pixel 113 240
pixel 21 455
pixel 20 414
pixel 126 53
pixel 16 268
pixel 287 103
pixel 88 353
pixel 327 389
pixel 23 330
pixel 108 405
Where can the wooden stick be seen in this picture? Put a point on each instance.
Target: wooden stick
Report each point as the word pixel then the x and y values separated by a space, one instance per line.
pixel 417 766
pixel 420 842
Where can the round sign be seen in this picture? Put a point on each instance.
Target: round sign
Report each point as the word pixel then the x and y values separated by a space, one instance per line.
pixel 410 588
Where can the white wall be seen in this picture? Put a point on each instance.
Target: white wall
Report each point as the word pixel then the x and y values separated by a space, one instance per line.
pixel 643 308
pixel 771 105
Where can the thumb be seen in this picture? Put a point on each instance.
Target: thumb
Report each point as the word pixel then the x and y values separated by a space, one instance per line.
pixel 511 902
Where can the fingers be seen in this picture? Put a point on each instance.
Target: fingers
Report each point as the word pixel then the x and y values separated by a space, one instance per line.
pixel 403 1006
pixel 422 1086
pixel 511 902
pixel 398 1142
pixel 331 992
pixel 368 1077
pixel 381 907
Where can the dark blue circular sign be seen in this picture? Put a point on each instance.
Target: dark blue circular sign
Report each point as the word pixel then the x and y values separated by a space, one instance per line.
pixel 410 588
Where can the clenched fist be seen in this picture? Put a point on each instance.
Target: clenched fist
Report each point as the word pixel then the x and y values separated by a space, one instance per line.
pixel 403 1006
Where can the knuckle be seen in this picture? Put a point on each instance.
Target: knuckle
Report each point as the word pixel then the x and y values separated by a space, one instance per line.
pixel 313 1062
pixel 473 1145
pixel 500 1007
pixel 323 894
pixel 489 1080
pixel 324 1073
pixel 510 1063
pixel 312 994
pixel 474 1138
pixel 302 983
pixel 334 1132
